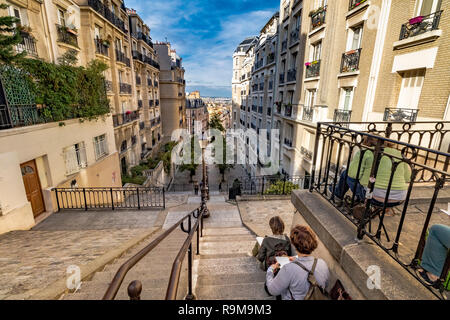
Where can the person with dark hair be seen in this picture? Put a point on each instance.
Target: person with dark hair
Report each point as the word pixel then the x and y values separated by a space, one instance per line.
pixel 276 244
pixel 291 282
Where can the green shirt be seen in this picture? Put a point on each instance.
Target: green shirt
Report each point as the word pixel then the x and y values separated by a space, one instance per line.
pixel 402 174
pixel 366 167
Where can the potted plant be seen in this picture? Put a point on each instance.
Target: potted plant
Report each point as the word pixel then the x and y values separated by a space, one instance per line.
pixel 106 43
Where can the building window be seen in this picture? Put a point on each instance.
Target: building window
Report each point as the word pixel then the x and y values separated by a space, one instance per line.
pixel 61 17
pixel 346 98
pixel 354 38
pixel 75 158
pixel 426 7
pixel 100 146
pixel 412 82
pixel 316 51
pixel 310 98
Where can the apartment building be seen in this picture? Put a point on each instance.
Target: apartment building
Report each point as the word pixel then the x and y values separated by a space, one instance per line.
pixel 146 69
pixel 172 90
pixel 36 156
pixel 196 111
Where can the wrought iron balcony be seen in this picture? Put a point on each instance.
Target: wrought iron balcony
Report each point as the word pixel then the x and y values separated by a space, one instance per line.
pixel 28 44
pixel 281 78
pixel 342 115
pixel 308 113
pixel 125 88
pixel 103 10
pixel 420 25
pixel 292 75
pixel 295 36
pixel 306 153
pixel 148 60
pixel 318 17
pixel 141 36
pixel 288 142
pixel 355 3
pixel 288 110
pixel 259 64
pixel 101 47
pixel 19 115
pixel 400 114
pixel 123 118
pixel 67 35
pixel 120 57
pixel 350 60
pixel 313 69
pixel 137 55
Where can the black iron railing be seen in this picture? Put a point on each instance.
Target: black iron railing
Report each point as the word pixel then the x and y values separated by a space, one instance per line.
pixel 355 3
pixel 121 57
pixel 135 287
pixel 308 113
pixel 28 44
pixel 306 153
pixel 109 198
pixel 124 118
pixel 101 47
pixel 19 116
pixel 400 114
pixel 420 25
pixel 350 60
pixel 125 88
pixel 269 185
pixel 103 10
pixel 342 115
pixel 67 35
pixel 394 173
pixel 108 86
pixel 318 17
pixel 312 69
pixel 288 110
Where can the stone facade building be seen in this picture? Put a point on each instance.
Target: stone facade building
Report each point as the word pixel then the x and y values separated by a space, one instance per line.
pixel 196 111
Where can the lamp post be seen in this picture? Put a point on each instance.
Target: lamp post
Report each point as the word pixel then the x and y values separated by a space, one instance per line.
pixel 204 191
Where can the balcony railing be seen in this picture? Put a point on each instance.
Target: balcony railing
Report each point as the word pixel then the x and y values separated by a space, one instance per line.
pixel 99 7
pixel 120 57
pixel 313 69
pixel 288 142
pixel 125 88
pixel 342 115
pixel 318 17
pixel 101 47
pixel 292 75
pixel 295 36
pixel 288 110
pixel 350 60
pixel 406 148
pixel 306 153
pixel 108 86
pixel 141 36
pixel 355 3
pixel 400 114
pixel 124 118
pixel 148 60
pixel 308 113
pixel 67 35
pixel 19 116
pixel 137 55
pixel 28 44
pixel 259 64
pixel 420 25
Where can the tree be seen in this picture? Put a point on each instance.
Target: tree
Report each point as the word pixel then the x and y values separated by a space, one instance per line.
pixel 192 166
pixel 216 123
pixel 223 167
pixel 9 37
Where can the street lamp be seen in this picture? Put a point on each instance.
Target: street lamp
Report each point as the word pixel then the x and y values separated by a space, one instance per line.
pixel 204 191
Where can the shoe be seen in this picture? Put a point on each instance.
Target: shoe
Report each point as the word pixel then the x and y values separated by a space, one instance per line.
pixel 427 280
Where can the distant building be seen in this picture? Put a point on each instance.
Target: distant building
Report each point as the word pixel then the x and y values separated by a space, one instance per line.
pixel 196 111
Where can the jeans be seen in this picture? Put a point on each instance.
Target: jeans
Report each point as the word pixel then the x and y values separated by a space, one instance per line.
pixel 436 249
pixel 344 185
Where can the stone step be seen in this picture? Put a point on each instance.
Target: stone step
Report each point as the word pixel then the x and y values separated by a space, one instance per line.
pixel 228 269
pixel 237 278
pixel 232 237
pixel 227 261
pixel 225 231
pixel 245 291
pixel 220 255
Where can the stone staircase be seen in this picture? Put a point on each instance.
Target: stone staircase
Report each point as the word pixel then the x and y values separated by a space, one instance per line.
pixel 224 269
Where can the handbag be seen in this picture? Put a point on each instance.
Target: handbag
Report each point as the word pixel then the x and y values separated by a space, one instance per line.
pixel 338 292
pixel 315 292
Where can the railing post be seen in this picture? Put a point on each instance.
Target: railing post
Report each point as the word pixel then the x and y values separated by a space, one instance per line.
pixel 284 184
pixel 138 200
pixel 316 152
pixel 57 200
pixel 112 198
pixel 134 290
pixel 164 197
pixel 198 232
pixel 85 202
pixel 190 295
pixel 262 187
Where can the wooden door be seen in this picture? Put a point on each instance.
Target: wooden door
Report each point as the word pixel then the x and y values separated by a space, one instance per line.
pixel 33 187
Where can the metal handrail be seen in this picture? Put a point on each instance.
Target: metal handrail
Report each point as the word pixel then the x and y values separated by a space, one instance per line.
pixel 114 287
pixel 172 287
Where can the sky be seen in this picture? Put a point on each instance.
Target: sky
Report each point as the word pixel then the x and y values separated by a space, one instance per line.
pixel 205 34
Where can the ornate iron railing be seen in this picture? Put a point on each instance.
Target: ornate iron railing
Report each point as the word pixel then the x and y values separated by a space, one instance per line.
pixel 66 35
pixel 342 116
pixel 108 86
pixel 318 17
pixel 99 7
pixel 355 3
pixel 120 57
pixel 308 113
pixel 288 110
pixel 398 172
pixel 420 25
pixel 19 116
pixel 109 198
pixel 350 60
pixel 125 88
pixel 268 185
pixel 101 47
pixel 28 44
pixel 306 153
pixel 400 114
pixel 312 69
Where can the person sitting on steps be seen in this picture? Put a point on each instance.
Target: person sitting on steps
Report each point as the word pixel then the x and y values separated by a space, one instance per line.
pixel 274 244
pixel 291 282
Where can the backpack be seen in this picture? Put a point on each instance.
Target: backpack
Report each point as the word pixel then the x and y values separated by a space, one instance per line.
pixel 279 251
pixel 315 292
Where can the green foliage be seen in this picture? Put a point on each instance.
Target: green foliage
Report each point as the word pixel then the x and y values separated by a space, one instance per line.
pixel 215 123
pixel 69 58
pixel 280 185
pixel 223 167
pixel 138 170
pixel 67 92
pixel 134 180
pixel 9 37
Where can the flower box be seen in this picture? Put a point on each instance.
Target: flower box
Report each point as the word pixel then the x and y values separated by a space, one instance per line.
pixel 416 20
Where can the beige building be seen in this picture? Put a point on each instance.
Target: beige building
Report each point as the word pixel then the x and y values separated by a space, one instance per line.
pixel 196 111
pixel 146 69
pixel 172 90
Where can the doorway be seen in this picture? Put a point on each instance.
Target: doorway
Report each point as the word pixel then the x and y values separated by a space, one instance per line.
pixel 33 187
